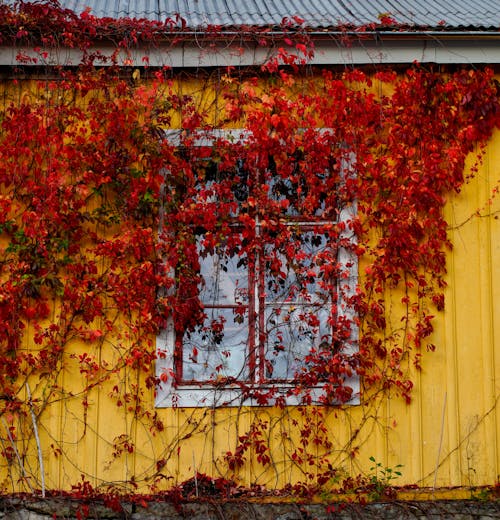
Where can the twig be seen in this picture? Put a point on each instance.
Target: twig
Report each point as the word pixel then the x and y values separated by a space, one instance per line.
pixel 18 457
pixel 37 438
pixel 195 476
pixel 440 442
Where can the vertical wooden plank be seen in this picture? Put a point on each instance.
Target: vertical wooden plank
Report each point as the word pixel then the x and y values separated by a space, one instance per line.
pixel 460 269
pixel 434 382
pixel 469 322
pixel 475 335
pixel 490 259
pixel 493 369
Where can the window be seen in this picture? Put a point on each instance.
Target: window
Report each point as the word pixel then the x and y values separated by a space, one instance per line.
pixel 269 286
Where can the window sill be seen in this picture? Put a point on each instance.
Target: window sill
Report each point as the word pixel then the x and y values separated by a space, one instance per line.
pixel 194 396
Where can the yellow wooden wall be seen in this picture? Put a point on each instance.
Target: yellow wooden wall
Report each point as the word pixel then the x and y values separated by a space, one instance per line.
pixel 448 435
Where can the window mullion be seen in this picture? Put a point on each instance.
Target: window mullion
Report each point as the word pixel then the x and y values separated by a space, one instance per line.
pixel 261 310
pixel 253 312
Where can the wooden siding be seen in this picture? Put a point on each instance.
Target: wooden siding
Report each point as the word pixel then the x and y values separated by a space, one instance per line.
pixel 448 435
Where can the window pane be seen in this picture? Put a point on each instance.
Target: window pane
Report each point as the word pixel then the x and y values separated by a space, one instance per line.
pixel 304 193
pixel 281 189
pixel 218 186
pixel 300 277
pixel 225 278
pixel 291 332
pixel 218 348
pixel 298 303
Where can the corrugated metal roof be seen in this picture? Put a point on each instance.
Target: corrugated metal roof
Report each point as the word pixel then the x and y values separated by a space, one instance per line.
pixel 418 14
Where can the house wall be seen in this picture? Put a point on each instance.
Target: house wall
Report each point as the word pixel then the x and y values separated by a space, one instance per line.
pixel 447 436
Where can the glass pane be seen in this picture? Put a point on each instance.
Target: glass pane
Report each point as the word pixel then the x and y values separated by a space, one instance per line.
pixel 218 348
pixel 298 303
pixel 225 278
pixel 282 188
pixel 216 185
pixel 294 187
pixel 299 279
pixel 291 332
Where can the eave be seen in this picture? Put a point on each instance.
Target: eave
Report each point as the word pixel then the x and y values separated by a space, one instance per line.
pixel 241 48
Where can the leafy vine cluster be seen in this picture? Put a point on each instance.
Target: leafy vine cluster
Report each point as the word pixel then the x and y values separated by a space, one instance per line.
pixel 114 191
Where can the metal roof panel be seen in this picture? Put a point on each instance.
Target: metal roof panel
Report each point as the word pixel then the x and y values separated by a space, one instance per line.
pixel 317 14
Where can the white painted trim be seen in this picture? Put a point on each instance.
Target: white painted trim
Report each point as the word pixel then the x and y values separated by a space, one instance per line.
pixel 205 53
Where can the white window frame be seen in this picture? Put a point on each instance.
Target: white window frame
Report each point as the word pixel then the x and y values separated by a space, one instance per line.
pixel 199 395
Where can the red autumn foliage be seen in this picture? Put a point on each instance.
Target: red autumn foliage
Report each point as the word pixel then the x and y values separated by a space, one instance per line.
pixel 100 211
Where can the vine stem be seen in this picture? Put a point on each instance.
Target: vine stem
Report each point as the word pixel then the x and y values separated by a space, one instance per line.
pixel 37 438
pixel 18 457
pixel 195 471
pixel 440 441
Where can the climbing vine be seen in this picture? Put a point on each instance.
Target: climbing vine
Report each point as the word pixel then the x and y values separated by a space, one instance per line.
pixel 117 185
